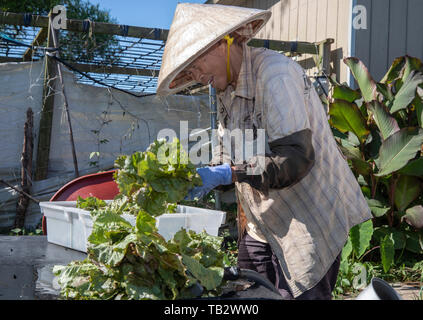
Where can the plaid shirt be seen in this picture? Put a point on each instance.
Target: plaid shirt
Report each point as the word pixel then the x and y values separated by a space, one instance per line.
pixel 306 223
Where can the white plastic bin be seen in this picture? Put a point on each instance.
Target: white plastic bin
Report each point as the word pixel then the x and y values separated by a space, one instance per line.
pixel 70 227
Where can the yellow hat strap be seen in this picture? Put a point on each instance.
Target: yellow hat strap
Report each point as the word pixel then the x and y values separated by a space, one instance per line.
pixel 229 41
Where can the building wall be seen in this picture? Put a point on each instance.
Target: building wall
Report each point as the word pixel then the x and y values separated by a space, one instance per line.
pixel 394 29
pixel 306 20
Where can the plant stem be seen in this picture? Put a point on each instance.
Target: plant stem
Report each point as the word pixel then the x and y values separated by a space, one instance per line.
pixel 390 214
pixel 368 252
pixel 375 181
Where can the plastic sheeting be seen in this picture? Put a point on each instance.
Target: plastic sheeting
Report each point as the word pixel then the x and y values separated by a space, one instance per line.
pixel 104 120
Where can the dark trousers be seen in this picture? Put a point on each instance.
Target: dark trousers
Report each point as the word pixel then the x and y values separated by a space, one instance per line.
pixel 259 256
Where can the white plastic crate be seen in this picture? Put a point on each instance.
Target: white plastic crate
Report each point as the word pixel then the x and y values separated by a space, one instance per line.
pixel 70 227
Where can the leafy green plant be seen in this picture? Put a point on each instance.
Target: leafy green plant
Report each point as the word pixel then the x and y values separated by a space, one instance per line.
pixel 136 262
pixel 156 179
pixel 25 232
pixel 378 128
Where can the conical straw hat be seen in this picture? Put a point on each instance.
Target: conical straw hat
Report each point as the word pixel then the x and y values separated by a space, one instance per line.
pixel 195 29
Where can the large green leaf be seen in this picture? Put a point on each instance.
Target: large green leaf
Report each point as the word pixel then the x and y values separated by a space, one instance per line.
pixel 414 216
pixel 411 64
pixel 407 93
pixel 365 81
pixel 414 242
pixel 413 168
pixel 145 224
pixel 111 255
pixel 398 237
pixel 406 191
pixel 387 252
pixel 418 106
pixel 210 277
pixel 385 122
pixel 346 250
pixel 343 92
pixel 398 149
pixel 361 235
pixel 346 116
pixel 394 71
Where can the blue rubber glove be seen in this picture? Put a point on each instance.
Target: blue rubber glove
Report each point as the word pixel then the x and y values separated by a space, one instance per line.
pixel 212 177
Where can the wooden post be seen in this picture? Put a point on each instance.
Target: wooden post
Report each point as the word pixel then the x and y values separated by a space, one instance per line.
pixel 324 52
pixel 44 135
pixel 26 170
pixel 38 41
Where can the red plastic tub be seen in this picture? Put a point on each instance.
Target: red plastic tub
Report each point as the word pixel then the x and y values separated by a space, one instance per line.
pixel 100 185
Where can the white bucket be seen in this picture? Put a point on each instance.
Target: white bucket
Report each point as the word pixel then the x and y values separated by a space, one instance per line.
pixel 378 290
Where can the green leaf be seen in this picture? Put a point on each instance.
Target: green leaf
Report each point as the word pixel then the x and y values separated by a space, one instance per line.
pixel 386 91
pixel 139 291
pixel 347 250
pixel 347 116
pixel 361 235
pixel 398 149
pixel 398 237
pixel 378 208
pixel 394 71
pixel 387 252
pixel 407 189
pixel 414 241
pixel 407 93
pixel 111 254
pixel 413 168
pixel 411 64
pixel 414 216
pixel 90 203
pixel 145 223
pixel 418 106
pixel 385 122
pixel 210 278
pixel 361 74
pixel 94 154
pixel 345 93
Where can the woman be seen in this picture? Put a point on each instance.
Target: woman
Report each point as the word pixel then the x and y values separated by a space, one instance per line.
pixel 297 200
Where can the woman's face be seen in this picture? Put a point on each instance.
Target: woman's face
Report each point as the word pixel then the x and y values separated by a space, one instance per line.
pixel 210 68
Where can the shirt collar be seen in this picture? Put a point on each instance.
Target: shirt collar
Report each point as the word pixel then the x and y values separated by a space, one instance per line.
pixel 245 83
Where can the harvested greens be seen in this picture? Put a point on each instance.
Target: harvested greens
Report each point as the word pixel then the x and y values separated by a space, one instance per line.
pixel 136 262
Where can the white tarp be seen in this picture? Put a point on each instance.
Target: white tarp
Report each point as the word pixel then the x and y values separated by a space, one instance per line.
pixel 103 120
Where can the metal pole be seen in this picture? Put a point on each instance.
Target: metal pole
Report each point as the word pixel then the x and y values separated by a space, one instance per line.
pixel 66 105
pixel 213 125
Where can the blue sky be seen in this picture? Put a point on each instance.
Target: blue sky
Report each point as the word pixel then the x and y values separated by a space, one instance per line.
pixel 142 13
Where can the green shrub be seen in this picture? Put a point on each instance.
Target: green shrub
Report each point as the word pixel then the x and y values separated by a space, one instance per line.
pixel 378 128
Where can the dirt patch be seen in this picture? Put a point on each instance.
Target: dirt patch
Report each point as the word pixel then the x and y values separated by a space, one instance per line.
pixel 407 290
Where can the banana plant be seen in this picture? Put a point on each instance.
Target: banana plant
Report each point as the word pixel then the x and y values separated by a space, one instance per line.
pixel 379 129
